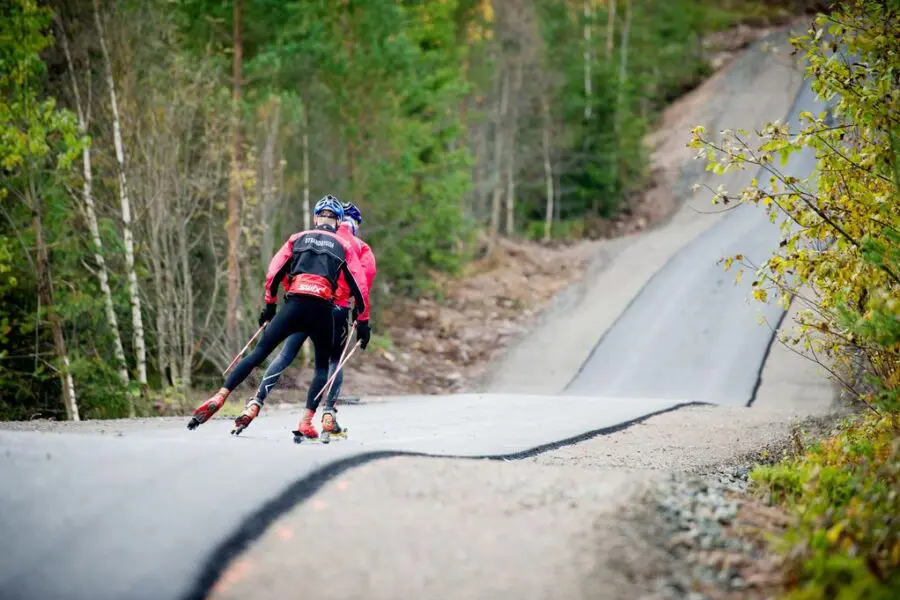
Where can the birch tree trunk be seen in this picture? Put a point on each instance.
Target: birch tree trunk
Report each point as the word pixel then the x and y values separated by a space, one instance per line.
pixel 133 291
pixel 91 215
pixel 45 295
pixel 498 156
pixel 548 168
pixel 588 18
pixel 234 183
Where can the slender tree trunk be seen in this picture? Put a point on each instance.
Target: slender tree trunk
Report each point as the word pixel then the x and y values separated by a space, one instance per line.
pixel 548 169
pixel 620 99
pixel 611 28
pixel 511 167
pixel 307 209
pixel 623 61
pixel 91 214
pixel 269 167
pixel 137 321
pixel 174 301
pixel 187 325
pixel 478 196
pixel 157 215
pixel 234 181
pixel 498 156
pixel 45 294
pixel 588 96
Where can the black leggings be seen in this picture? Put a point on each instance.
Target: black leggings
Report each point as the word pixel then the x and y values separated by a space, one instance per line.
pixel 306 314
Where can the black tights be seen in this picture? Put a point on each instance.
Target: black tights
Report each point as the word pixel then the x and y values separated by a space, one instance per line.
pixel 300 313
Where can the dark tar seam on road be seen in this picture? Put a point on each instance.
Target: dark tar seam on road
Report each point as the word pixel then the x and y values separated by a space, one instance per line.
pixel 765 358
pixel 254 525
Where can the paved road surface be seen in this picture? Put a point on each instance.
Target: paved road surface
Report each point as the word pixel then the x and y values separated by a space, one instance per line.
pixel 136 515
pixel 692 333
pixel 116 517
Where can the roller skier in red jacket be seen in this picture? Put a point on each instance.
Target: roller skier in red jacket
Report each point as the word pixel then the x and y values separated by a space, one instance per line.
pixel 291 347
pixel 310 266
pixel 349 228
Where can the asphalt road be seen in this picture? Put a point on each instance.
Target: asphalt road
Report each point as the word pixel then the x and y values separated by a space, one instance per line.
pixel 134 512
pixel 692 333
pixel 138 511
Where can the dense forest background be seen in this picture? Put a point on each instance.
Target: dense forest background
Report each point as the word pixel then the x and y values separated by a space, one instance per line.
pixel 155 153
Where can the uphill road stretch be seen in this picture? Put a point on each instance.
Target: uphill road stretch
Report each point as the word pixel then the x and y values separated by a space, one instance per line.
pixel 692 333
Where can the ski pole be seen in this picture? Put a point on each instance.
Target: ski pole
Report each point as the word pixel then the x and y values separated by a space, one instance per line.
pixel 330 383
pixel 244 349
pixel 339 367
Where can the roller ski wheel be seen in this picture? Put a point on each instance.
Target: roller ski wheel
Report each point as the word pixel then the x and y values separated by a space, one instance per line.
pixel 300 438
pixel 329 436
pixel 324 438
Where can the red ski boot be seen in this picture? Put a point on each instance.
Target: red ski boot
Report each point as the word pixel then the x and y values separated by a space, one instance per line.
pixel 306 430
pixel 250 412
pixel 208 409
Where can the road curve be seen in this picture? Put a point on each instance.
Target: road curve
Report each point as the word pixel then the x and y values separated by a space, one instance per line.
pixel 139 511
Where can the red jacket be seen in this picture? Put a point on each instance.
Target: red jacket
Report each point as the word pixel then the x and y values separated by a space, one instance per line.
pixel 367 263
pixel 317 262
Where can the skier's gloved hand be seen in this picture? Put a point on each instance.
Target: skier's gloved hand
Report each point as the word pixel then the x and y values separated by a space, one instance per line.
pixel 267 314
pixel 363 333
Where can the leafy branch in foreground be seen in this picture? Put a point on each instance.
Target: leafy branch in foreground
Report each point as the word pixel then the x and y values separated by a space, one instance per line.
pixel 841 225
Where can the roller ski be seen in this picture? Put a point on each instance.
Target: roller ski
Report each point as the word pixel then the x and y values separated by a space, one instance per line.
pixel 330 427
pixel 251 411
pixel 206 410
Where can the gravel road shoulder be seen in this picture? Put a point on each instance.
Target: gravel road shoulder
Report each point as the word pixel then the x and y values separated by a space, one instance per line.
pixel 570 523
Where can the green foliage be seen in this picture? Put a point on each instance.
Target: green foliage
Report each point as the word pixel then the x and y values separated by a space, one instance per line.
pixel 782 482
pixel 842 239
pixel 845 540
pixel 32 129
pixel 38 144
pixel 840 226
pixel 604 157
pixel 566 229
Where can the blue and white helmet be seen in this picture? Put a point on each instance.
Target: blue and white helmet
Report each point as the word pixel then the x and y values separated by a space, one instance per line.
pixel 330 203
pixel 352 217
pixel 351 212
